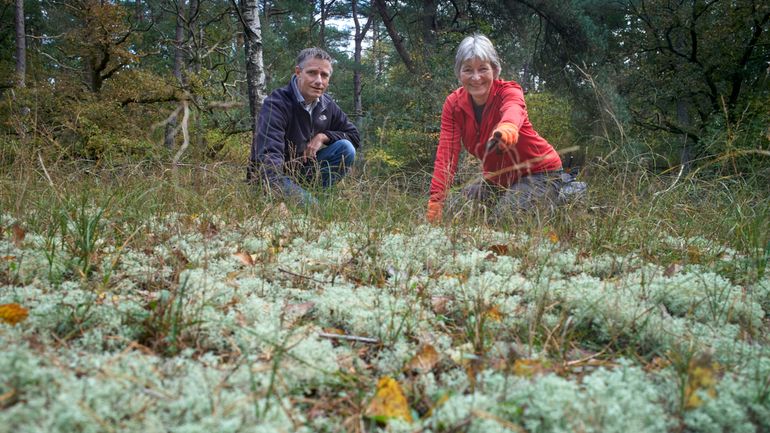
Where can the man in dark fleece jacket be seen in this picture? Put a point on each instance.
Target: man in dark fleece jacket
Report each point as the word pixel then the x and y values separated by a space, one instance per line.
pixel 302 135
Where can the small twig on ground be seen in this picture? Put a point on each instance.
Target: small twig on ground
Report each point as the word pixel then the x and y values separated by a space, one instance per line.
pixel 586 359
pixel 357 338
pixel 294 274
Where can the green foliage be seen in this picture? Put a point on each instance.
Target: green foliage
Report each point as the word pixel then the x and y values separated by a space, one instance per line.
pixel 698 72
pixel 551 117
pixel 404 148
pixel 62 121
pixel 82 230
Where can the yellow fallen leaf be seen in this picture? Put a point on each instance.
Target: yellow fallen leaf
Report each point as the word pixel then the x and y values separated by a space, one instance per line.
pixel 388 402
pixel 494 314
pixel 13 313
pixel 553 237
pixel 701 375
pixel 424 360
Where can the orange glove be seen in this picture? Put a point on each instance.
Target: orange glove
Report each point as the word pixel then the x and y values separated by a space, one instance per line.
pixel 506 134
pixel 435 212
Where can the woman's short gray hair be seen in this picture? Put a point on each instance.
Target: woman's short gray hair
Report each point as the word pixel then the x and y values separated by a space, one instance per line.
pixel 312 53
pixel 477 47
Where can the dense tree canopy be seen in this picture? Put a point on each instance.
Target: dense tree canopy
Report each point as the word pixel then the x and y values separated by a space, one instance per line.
pixel 688 80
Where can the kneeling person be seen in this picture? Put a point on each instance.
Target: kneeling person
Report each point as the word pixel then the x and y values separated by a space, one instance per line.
pixel 488 117
pixel 302 135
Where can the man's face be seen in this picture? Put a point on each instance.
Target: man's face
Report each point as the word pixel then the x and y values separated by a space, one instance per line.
pixel 313 79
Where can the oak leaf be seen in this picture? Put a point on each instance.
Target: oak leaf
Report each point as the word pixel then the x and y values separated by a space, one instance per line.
pixel 388 402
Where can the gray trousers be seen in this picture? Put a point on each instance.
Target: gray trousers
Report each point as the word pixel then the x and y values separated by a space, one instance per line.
pixel 482 199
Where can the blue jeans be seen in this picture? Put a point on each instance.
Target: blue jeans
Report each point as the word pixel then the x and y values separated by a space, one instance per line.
pixel 330 165
pixel 333 162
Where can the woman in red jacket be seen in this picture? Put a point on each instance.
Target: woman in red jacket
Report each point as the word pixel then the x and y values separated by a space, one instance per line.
pixel 488 117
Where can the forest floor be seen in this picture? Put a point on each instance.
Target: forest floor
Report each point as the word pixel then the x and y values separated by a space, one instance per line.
pixel 182 301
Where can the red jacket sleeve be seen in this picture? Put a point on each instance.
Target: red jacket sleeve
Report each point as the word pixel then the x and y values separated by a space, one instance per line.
pixel 513 108
pixel 447 154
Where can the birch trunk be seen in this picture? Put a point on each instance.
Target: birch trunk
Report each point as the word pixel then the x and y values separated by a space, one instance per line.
pixel 171 128
pixel 255 72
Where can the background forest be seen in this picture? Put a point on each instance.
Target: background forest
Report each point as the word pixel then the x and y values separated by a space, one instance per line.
pixel 663 83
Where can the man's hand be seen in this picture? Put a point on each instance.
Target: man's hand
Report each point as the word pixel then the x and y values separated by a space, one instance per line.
pixel 315 144
pixel 506 134
pixel 435 212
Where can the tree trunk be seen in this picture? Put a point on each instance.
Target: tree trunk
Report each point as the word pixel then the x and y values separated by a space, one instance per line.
pixel 255 72
pixel 195 36
pixel 428 28
pixel 683 116
pixel 21 46
pixel 138 11
pixel 379 62
pixel 394 36
pixel 322 28
pixel 358 110
pixel 177 71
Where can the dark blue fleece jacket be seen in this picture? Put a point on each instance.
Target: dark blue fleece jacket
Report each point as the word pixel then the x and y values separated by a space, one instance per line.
pixel 284 129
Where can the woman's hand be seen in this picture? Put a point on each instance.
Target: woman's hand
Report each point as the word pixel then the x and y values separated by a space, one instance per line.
pixel 506 134
pixel 435 212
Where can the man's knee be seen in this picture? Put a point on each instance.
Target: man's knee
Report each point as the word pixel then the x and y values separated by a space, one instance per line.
pixel 347 151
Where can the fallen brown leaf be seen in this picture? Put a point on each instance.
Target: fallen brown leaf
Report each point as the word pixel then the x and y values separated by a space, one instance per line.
pixel 499 249
pixel 18 234
pixel 294 312
pixel 424 360
pixel 672 269
pixel 245 258
pixel 439 304
pixel 528 367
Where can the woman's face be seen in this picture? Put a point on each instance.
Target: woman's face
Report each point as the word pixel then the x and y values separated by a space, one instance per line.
pixel 476 76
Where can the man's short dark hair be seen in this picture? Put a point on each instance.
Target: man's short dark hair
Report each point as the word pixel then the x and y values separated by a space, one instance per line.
pixel 313 52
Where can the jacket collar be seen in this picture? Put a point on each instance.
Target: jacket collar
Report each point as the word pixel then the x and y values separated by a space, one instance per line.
pixel 301 99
